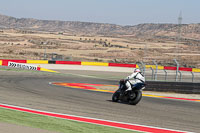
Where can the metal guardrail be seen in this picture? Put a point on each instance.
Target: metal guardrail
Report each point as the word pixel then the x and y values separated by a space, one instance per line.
pixel 155 74
pixel 179 87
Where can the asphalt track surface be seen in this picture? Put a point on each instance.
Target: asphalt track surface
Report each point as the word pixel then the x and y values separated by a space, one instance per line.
pixel 32 90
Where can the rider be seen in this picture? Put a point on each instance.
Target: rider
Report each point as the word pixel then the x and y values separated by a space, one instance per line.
pixel 135 79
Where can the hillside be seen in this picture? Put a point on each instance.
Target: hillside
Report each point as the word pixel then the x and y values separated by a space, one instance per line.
pixel 189 31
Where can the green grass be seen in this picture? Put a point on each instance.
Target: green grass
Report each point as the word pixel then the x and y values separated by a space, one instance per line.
pixel 54 124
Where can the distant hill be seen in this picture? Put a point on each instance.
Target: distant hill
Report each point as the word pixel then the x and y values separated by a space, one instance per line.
pixel 188 31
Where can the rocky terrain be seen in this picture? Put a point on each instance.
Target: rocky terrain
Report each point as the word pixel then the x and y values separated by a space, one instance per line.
pixel 38 39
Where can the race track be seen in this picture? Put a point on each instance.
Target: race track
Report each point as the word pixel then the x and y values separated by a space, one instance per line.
pixel 32 90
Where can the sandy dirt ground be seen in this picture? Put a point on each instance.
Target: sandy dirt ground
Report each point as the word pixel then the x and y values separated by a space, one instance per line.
pixel 19 45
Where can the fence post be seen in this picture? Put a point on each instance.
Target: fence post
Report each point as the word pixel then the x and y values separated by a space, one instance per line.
pixel 144 67
pixel 152 75
pixel 165 74
pixel 177 69
pixel 155 74
pixel 192 76
pixel 141 66
pixel 180 75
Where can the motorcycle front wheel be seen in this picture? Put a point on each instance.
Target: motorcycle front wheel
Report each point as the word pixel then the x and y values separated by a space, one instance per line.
pixel 135 98
pixel 115 96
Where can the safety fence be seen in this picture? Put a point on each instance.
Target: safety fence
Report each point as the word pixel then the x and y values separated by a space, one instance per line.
pixel 5 62
pixel 153 72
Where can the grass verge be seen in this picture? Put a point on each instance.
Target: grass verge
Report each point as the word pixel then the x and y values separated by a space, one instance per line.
pixel 54 124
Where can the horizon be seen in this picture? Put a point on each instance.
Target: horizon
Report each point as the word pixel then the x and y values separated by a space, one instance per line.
pixel 92 22
pixel 125 13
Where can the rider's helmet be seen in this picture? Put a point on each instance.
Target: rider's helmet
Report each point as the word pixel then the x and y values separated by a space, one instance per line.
pixel 137 70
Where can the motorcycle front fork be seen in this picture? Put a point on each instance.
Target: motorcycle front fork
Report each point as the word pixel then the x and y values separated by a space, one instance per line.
pixel 121 86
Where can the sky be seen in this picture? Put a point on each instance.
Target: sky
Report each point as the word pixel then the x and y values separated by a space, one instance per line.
pixel 121 12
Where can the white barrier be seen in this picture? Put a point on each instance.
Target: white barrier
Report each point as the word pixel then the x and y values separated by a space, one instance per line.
pixel 22 66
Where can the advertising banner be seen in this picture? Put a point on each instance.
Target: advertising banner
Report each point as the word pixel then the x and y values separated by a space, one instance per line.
pixel 22 66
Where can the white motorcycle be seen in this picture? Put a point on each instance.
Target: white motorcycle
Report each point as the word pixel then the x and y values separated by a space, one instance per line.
pixel 132 97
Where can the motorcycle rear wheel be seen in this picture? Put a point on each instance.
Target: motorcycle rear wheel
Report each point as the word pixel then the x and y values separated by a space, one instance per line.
pixel 136 99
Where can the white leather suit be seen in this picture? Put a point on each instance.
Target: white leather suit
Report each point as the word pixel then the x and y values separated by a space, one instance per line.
pixel 134 78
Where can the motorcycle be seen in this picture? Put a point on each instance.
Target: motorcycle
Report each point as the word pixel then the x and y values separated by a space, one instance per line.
pixel 132 97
